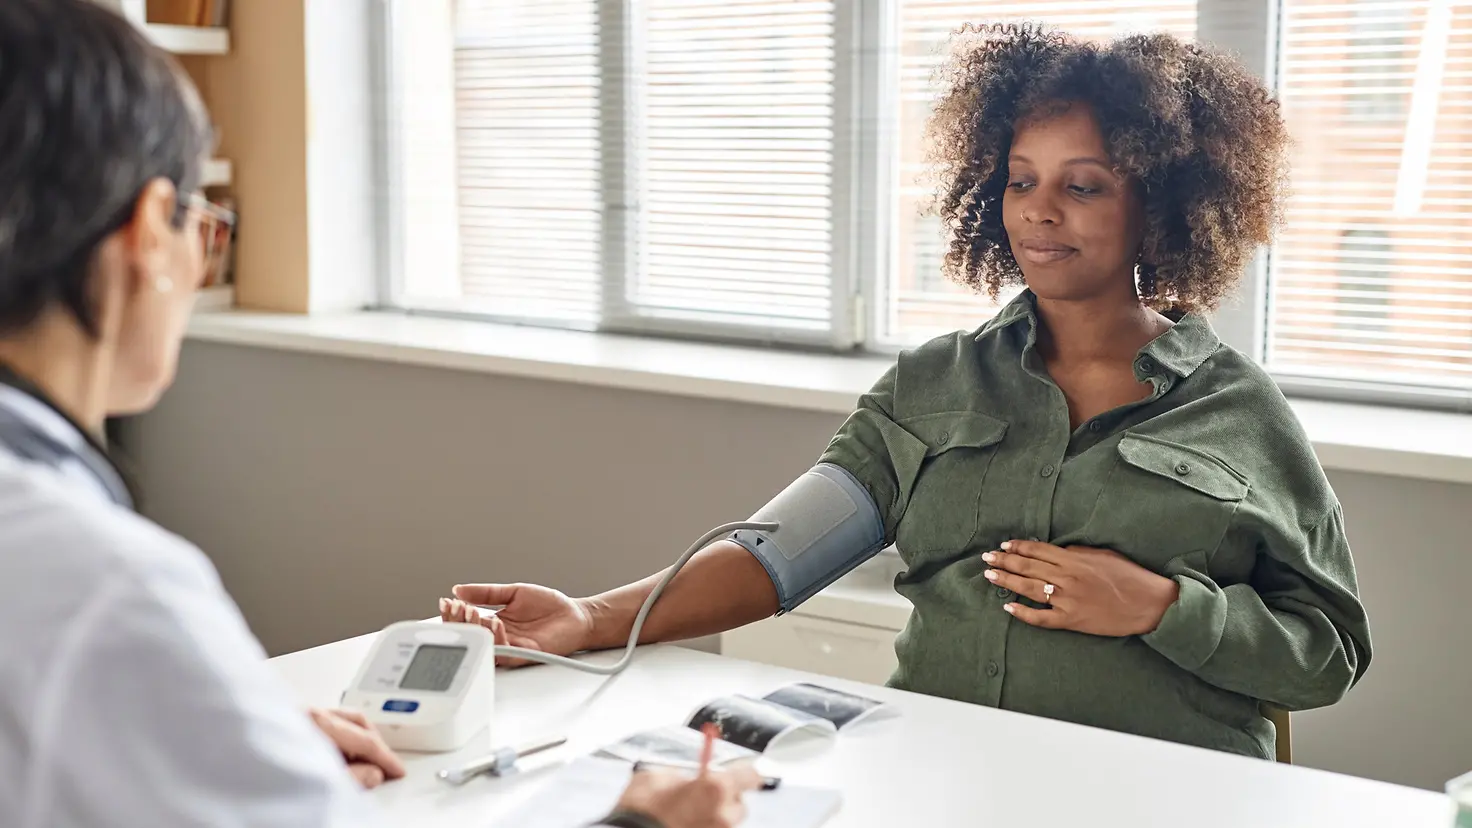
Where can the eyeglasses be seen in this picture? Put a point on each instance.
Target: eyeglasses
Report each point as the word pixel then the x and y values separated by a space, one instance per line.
pixel 216 231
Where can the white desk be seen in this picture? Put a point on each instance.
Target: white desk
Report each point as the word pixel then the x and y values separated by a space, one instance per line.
pixel 939 763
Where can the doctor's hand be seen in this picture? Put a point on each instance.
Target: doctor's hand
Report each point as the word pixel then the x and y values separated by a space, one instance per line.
pixel 533 617
pixel 369 758
pixel 676 800
pixel 1095 591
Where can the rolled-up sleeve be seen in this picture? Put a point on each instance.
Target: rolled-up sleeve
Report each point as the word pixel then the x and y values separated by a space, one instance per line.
pixel 1295 635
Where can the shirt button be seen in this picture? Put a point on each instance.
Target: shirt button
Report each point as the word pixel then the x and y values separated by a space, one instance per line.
pixel 1048 470
pixel 1004 593
pixel 1147 365
pixel 1183 469
pixel 992 668
pixel 1095 426
pixel 944 438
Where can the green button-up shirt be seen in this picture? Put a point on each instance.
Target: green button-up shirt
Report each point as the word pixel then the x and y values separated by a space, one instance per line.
pixel 966 442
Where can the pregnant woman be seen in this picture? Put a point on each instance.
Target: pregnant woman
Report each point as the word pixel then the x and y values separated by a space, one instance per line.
pixel 1106 515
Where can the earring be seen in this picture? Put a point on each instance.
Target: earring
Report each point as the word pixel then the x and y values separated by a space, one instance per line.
pixel 163 284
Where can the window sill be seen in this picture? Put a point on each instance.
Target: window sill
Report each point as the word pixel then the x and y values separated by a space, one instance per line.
pixel 1429 445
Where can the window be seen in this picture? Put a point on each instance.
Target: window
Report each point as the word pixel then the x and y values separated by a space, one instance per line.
pixel 1377 35
pixel 530 158
pixel 665 165
pixel 751 170
pixel 734 163
pixel 928 245
pixel 1370 283
pixel 1362 254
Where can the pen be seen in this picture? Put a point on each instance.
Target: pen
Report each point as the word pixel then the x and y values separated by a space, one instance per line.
pixel 711 732
pixel 769 783
pixel 497 762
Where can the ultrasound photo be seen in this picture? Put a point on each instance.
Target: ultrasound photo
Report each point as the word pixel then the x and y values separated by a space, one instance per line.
pixel 748 726
pixel 754 723
pixel 674 745
pixel 836 706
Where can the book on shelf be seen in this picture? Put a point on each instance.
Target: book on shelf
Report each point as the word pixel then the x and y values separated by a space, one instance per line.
pixel 220 264
pixel 206 13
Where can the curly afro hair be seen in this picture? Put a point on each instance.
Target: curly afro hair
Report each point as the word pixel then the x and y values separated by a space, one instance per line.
pixel 1203 139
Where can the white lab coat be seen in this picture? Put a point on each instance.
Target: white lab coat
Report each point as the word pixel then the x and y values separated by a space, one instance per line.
pixel 131 691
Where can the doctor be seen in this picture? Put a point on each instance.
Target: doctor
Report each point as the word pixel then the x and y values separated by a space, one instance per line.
pixel 131 691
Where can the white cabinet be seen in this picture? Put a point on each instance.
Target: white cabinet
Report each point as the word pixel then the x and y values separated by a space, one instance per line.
pixel 846 631
pixel 818 645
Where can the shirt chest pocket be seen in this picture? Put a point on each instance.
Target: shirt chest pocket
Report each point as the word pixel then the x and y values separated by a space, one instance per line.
pixel 1163 500
pixel 945 498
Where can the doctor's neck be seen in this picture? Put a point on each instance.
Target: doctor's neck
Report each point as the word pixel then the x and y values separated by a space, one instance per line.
pixel 70 367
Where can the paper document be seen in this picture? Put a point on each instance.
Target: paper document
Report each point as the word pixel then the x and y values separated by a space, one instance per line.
pixel 588 788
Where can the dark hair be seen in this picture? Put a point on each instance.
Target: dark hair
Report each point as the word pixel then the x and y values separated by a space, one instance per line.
pixel 90 112
pixel 1204 139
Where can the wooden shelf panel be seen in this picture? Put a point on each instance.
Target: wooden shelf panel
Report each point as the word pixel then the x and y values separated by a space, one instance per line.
pixel 189 40
pixel 215 298
pixel 218 172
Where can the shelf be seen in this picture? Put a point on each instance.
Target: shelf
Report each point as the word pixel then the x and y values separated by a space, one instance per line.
pixel 216 298
pixel 189 40
pixel 218 172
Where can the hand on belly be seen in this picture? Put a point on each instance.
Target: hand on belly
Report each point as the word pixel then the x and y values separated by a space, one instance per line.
pixel 1087 590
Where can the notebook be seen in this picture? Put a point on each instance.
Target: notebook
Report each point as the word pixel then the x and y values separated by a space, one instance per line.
pixel 589 786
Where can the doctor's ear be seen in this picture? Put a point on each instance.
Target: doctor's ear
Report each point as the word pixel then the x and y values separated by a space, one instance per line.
pixel 149 239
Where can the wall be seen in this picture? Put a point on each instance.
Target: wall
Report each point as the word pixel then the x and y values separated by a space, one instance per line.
pixel 338 495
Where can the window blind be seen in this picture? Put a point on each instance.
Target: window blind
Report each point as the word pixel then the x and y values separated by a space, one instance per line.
pixel 1371 278
pixel 916 304
pixel 734 110
pixel 527 85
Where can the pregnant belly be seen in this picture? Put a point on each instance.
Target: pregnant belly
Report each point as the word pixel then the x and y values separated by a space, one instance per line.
pixel 959 644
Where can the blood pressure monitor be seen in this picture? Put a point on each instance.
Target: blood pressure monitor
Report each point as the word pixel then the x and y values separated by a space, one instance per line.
pixel 427 686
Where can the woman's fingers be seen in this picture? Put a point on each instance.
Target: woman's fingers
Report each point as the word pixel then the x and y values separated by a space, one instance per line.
pixel 1036 550
pixel 1047 618
pixel 487 594
pixel 1026 587
pixel 1019 564
pixel 455 610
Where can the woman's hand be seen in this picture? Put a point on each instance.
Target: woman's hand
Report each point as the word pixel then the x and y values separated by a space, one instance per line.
pixel 533 617
pixel 710 800
pixel 1095 591
pixel 369 758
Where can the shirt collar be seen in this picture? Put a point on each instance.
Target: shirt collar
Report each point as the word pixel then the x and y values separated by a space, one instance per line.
pixel 1021 308
pixel 39 416
pixel 1184 347
pixel 41 434
pixel 1180 350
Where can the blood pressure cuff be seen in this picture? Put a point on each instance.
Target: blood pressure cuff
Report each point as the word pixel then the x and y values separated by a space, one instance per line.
pixel 827 525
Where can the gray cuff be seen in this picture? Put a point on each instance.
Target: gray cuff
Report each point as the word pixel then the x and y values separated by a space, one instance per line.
pixel 827 524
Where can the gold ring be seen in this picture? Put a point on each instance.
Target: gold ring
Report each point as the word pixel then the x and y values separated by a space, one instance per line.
pixel 1048 593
